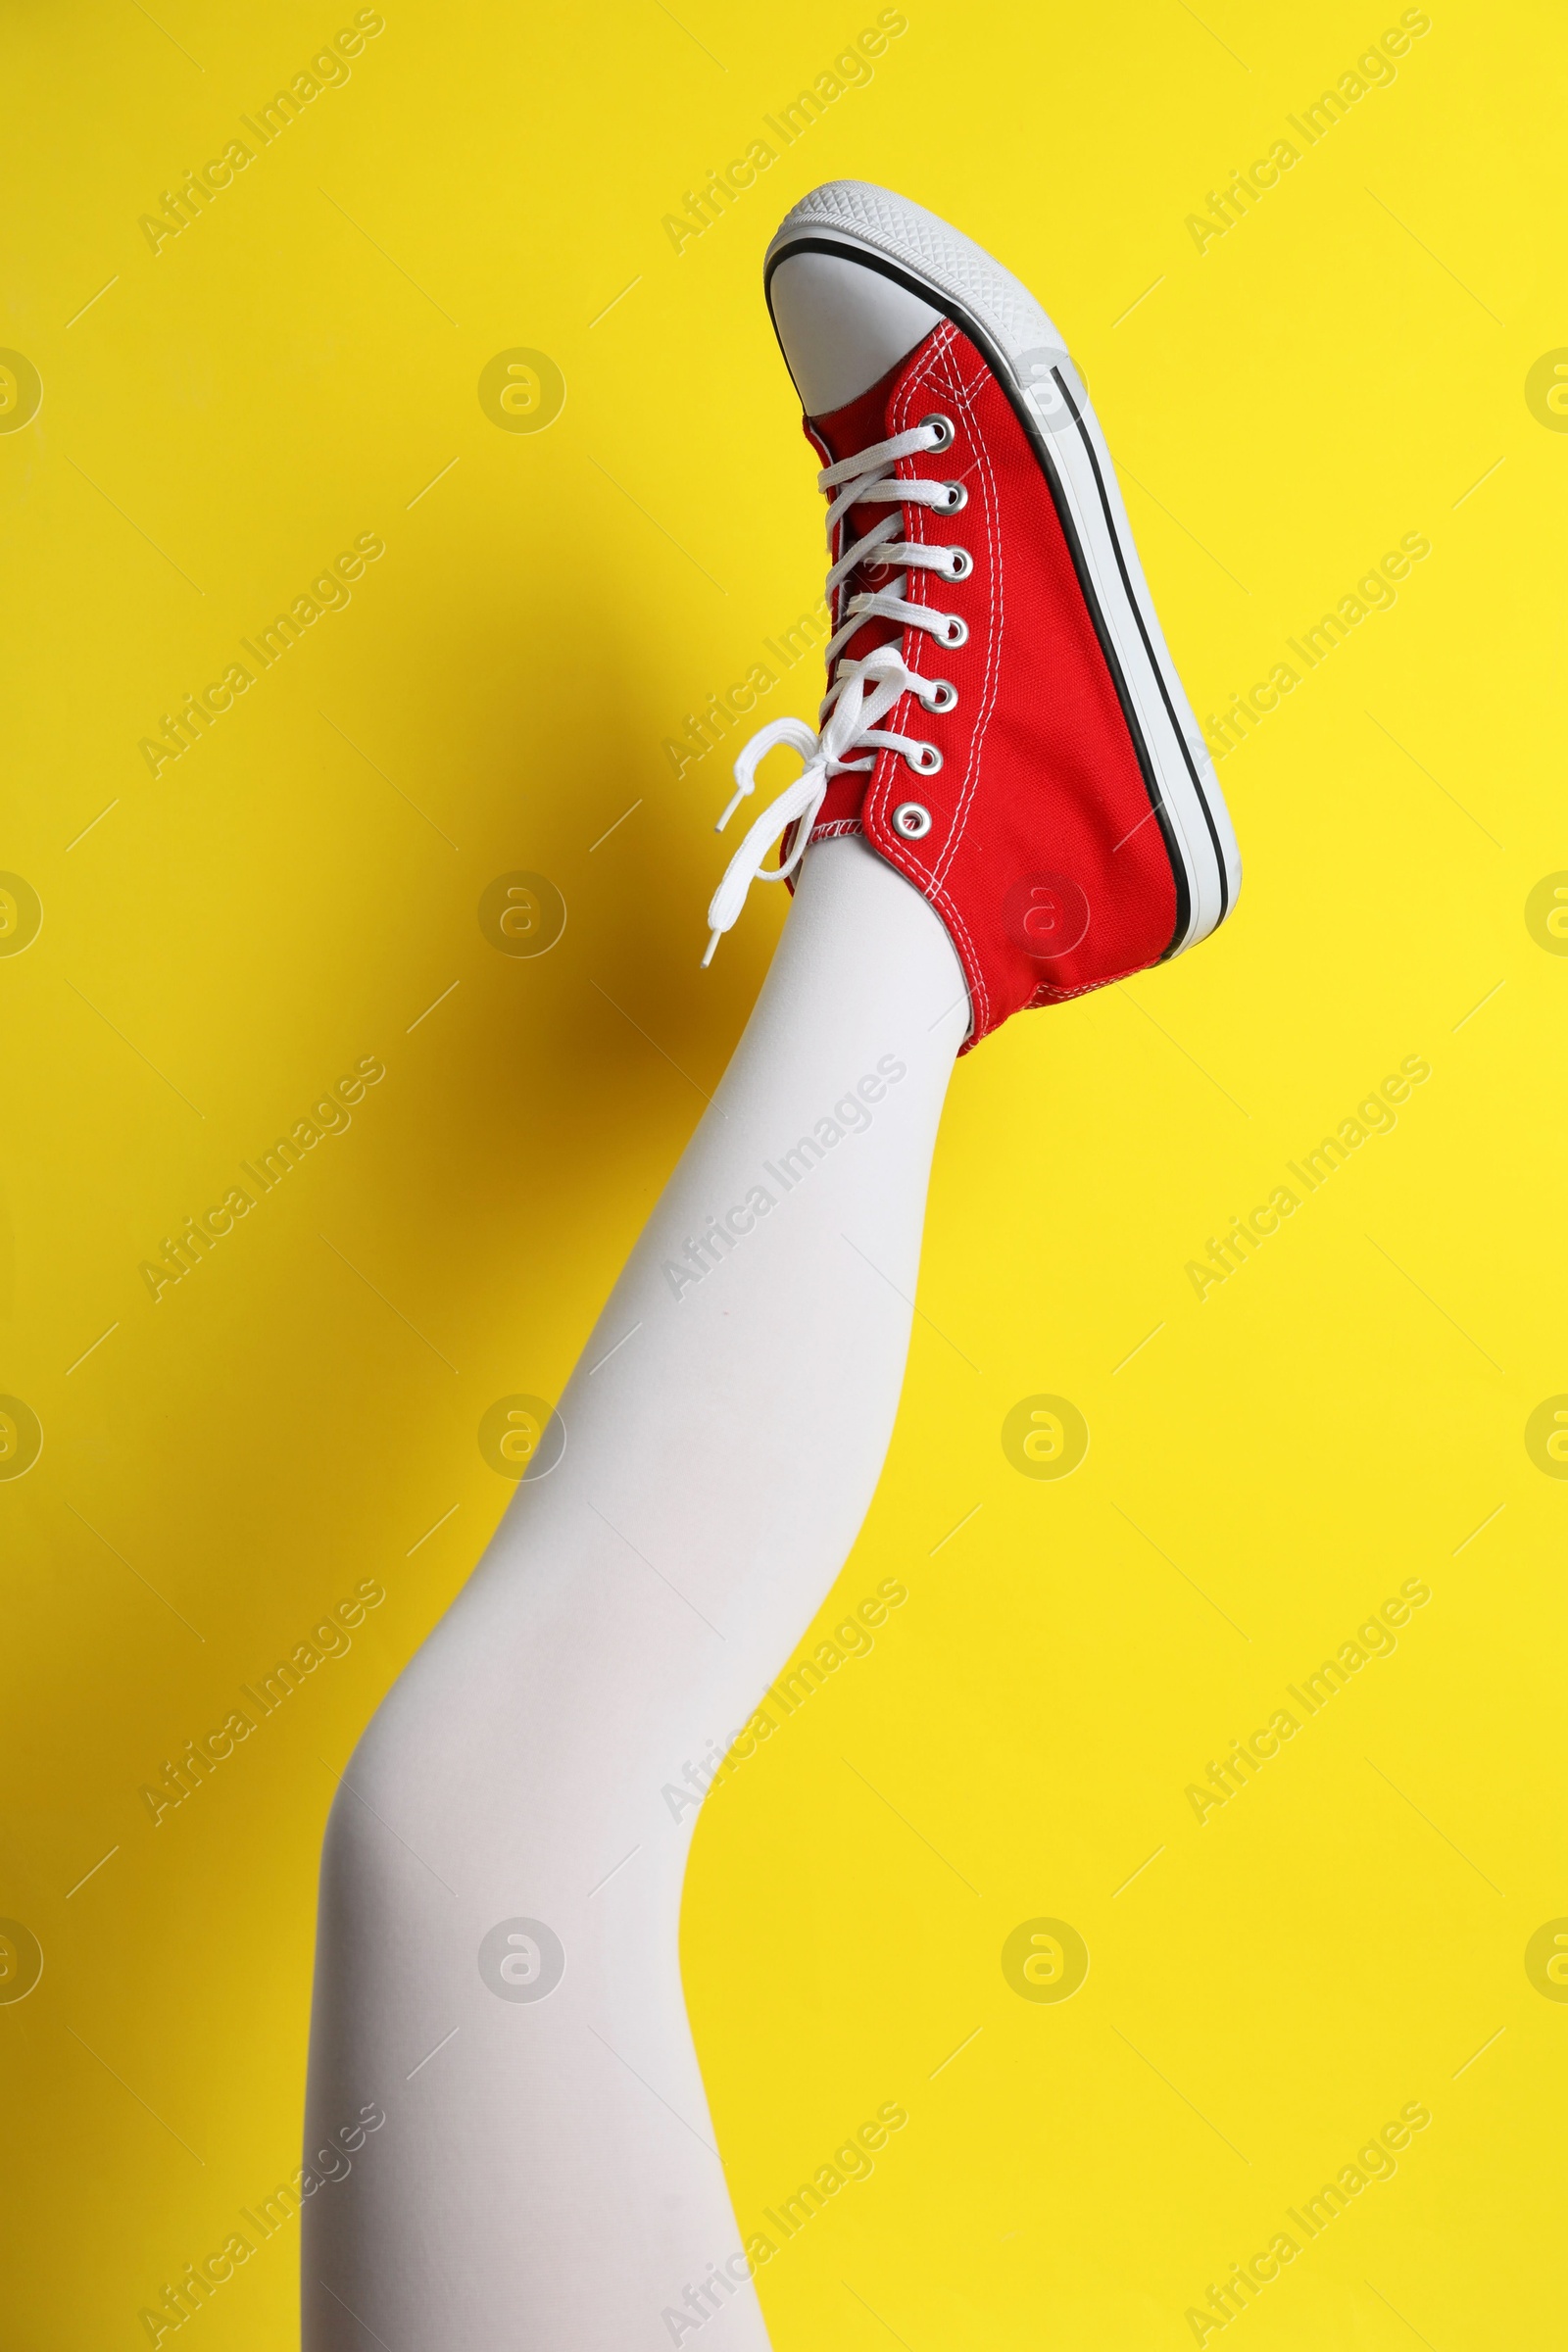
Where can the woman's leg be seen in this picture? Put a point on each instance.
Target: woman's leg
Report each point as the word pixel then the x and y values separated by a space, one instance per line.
pixel 547 2179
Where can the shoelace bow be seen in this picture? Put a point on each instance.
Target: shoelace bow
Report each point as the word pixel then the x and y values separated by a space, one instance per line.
pixel 860 692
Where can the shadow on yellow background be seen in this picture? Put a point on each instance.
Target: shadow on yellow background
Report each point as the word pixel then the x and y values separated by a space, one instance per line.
pixel 1284 1955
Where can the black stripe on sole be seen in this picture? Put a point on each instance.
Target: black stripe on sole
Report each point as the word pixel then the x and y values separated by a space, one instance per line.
pixel 1153 661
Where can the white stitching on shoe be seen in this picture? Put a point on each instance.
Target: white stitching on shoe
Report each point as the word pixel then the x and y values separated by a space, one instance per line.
pixel 964 398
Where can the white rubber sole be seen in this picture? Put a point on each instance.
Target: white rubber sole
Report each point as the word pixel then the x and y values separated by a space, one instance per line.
pixel 1030 363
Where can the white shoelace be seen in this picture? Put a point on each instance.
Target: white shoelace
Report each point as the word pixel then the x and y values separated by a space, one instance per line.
pixel 862 692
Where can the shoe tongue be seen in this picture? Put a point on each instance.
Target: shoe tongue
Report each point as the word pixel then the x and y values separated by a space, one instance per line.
pixel 861 420
pixel 842 433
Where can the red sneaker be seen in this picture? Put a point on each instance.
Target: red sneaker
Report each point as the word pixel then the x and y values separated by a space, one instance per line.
pixel 1002 721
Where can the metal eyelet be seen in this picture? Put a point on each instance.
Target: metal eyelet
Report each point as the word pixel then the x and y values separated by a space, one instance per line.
pixel 957 500
pixel 926 760
pixel 955 630
pixel 944 695
pixel 960 564
pixel 912 820
pixel 943 427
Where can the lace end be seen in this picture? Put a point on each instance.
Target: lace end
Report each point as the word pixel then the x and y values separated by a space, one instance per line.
pixel 741 792
pixel 713 938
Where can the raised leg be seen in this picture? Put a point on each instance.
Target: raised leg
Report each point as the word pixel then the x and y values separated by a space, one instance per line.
pixel 547 2179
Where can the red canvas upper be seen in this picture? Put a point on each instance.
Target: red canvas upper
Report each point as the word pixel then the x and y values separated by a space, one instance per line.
pixel 1044 858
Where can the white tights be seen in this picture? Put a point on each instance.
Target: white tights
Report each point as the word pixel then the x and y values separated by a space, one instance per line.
pixel 547 2180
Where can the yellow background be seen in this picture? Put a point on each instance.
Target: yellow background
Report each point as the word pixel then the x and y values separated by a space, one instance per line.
pixel 297 889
